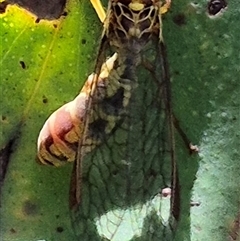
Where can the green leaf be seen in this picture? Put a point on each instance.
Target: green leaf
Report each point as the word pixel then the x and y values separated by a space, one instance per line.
pixel 204 59
pixel 58 56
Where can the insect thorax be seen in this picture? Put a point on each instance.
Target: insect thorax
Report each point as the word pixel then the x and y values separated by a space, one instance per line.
pixel 132 24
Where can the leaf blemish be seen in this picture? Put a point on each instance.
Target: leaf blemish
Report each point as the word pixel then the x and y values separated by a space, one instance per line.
pixel 59 229
pixel 29 208
pixel 23 65
pixel 45 100
pixel 216 6
pixel 3 6
pixel 179 19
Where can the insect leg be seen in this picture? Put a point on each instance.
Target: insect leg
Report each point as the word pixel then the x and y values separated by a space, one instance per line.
pixel 192 148
pixel 175 197
pixel 165 7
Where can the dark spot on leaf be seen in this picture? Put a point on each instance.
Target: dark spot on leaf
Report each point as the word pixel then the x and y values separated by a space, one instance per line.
pixel 29 208
pixel 55 25
pixel 64 14
pixel 152 173
pixel 84 41
pixel 215 6
pixel 45 100
pixel 3 6
pixel 59 229
pixel 114 172
pixel 43 9
pixel 12 230
pixel 37 20
pixel 179 19
pixel 176 72
pixel 23 65
pixel 57 216
pixel 4 118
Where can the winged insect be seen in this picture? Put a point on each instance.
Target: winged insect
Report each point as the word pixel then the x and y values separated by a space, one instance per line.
pixel 120 132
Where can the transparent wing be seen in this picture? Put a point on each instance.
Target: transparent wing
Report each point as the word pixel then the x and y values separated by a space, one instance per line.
pixel 119 129
pixel 122 178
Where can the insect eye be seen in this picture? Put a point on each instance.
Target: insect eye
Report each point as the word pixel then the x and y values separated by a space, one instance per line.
pixel 215 6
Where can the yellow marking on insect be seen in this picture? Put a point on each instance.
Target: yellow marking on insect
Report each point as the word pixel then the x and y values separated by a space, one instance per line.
pixel 136 5
pixel 165 7
pixel 107 67
pixel 72 136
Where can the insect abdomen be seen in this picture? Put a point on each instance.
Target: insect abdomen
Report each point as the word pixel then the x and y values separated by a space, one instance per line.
pixel 58 139
pixel 89 118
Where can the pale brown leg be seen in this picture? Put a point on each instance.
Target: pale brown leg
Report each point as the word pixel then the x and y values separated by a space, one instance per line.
pixel 97 5
pixel 165 7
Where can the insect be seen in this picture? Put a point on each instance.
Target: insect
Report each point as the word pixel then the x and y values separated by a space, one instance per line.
pixel 119 131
